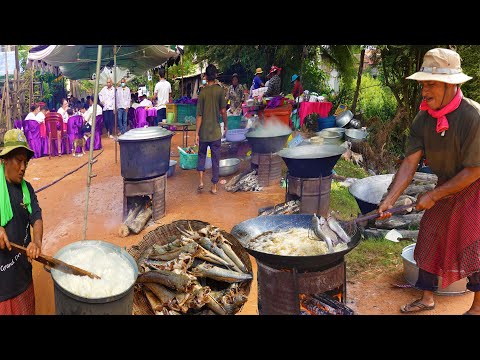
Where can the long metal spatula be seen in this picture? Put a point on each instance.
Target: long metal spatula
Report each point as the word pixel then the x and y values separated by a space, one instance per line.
pixel 57 264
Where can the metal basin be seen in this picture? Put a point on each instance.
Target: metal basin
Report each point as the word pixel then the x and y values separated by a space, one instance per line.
pixel 369 191
pixel 336 129
pixel 228 166
pixel 410 272
pixel 311 161
pixel 344 118
pixel 355 135
pixel 330 137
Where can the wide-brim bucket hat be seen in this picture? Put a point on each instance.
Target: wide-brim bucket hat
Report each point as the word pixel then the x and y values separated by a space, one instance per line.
pixel 14 139
pixel 258 71
pixel 273 69
pixel 443 65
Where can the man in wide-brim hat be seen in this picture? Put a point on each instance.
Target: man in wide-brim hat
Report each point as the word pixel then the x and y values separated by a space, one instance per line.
pixel 19 209
pixel 446 131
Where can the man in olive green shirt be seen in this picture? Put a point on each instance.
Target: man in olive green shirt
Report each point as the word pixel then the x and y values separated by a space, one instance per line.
pixel 211 103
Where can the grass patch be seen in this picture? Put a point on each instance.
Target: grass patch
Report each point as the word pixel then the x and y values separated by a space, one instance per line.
pixel 349 169
pixel 373 256
pixel 343 203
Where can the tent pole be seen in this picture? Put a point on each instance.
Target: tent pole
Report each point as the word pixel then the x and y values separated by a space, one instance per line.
pixel 92 138
pixel 115 101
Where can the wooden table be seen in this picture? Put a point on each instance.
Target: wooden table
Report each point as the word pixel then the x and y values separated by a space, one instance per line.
pixel 186 127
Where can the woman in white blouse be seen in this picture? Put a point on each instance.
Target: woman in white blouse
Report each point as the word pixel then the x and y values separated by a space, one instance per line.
pixel 63 110
pixel 34 110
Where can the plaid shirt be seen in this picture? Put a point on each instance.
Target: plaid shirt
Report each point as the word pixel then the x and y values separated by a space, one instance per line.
pixel 273 86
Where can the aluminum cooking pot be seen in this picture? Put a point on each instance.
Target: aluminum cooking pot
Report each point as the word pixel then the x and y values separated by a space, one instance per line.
pixel 344 118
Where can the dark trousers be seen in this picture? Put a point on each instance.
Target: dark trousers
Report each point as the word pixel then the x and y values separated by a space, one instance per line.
pixel 202 157
pixel 108 119
pixel 428 281
pixel 122 120
pixel 161 114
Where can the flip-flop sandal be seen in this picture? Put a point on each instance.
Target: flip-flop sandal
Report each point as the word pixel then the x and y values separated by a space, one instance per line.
pixel 199 188
pixel 213 192
pixel 416 306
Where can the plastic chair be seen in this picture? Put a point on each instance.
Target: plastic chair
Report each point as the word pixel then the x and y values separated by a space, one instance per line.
pixel 54 123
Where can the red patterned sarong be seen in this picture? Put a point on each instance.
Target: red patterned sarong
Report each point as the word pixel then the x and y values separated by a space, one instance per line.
pixel 23 304
pixel 448 243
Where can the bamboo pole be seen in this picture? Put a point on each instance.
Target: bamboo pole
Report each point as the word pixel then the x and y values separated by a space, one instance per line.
pixel 92 138
pixel 7 94
pixel 16 85
pixel 115 100
pixel 32 101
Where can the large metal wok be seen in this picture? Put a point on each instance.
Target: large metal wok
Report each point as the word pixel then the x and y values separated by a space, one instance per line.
pixel 263 143
pixel 368 192
pixel 252 228
pixel 311 161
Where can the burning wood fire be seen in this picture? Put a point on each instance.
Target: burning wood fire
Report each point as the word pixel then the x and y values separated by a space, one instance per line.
pixel 323 304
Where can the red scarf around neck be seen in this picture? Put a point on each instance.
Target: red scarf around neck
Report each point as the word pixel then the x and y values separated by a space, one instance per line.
pixel 442 122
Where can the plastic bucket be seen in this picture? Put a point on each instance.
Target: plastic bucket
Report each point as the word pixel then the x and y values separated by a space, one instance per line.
pixel 170 118
pixel 326 122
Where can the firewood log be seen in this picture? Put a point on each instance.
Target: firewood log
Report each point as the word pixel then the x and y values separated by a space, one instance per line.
pixel 414 190
pixel 142 218
pixel 399 221
pixel 138 203
pixel 425 178
pixel 380 233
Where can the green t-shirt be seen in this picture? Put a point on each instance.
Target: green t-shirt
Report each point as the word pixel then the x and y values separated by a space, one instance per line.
pixel 210 101
pixel 459 148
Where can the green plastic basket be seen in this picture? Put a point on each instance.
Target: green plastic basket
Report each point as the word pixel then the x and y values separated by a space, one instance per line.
pixel 188 161
pixel 186 112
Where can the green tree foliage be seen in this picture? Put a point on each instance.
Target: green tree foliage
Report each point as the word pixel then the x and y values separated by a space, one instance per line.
pixel 299 59
pixel 470 55
pixel 375 99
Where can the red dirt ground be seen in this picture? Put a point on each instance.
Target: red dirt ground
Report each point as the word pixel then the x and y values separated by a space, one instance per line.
pixel 63 206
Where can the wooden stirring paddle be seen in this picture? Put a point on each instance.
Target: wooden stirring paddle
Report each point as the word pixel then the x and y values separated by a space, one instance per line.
pixel 57 264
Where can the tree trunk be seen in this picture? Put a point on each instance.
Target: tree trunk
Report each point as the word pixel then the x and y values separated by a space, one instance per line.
pixel 359 81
